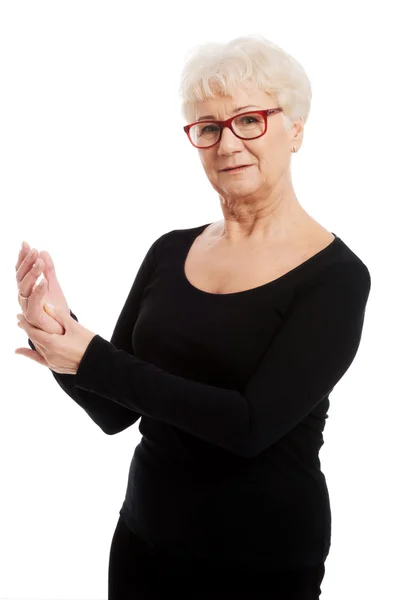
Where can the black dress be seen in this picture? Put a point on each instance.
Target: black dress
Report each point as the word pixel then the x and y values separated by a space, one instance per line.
pixel 232 392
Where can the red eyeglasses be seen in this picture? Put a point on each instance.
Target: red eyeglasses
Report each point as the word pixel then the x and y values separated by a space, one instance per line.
pixel 246 126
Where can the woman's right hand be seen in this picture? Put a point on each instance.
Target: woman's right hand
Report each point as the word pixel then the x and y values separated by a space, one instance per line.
pixel 33 307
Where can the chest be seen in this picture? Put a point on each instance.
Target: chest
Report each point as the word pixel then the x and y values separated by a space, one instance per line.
pixel 219 270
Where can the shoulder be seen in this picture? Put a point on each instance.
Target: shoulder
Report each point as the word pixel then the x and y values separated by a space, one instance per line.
pixel 180 234
pixel 344 262
pixel 344 283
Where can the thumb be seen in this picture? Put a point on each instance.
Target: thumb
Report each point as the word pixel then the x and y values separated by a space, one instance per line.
pixel 49 268
pixel 62 317
pixel 49 271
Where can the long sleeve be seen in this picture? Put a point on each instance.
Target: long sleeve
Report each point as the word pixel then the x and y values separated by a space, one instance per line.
pixel 311 352
pixel 109 416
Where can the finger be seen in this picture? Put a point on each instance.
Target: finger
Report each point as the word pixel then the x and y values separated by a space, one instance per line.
pixel 26 285
pixel 49 272
pixel 24 250
pixel 32 354
pixel 34 313
pixel 39 348
pixel 34 308
pixel 22 255
pixel 39 291
pixel 34 333
pixel 26 265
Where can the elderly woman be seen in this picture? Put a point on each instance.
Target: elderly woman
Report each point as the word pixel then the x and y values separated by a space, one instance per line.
pixel 227 348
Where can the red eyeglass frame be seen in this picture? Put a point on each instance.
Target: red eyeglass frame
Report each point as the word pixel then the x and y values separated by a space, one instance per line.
pixel 228 123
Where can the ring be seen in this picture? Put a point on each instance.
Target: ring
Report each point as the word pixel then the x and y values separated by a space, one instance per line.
pixel 24 297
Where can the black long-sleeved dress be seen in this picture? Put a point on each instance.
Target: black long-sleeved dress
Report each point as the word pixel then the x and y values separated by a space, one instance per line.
pixel 233 393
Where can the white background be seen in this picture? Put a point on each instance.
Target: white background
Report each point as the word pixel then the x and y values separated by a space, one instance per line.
pixel 86 179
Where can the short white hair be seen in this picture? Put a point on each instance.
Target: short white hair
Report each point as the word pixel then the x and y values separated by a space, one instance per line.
pixel 214 69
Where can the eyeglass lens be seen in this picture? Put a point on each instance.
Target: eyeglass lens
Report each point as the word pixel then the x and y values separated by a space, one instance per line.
pixel 248 126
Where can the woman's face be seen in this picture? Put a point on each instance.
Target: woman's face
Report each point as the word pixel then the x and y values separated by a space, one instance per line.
pixel 268 155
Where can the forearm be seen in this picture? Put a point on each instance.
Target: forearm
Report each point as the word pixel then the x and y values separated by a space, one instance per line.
pixel 109 416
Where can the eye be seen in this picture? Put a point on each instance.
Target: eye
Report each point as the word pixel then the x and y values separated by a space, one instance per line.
pixel 251 119
pixel 209 128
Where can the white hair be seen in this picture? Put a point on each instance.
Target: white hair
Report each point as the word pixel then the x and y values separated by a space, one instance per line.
pixel 214 69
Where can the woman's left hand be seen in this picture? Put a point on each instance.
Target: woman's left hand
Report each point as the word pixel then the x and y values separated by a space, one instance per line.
pixel 62 352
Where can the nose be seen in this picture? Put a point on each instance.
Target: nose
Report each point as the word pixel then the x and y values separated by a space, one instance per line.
pixel 229 139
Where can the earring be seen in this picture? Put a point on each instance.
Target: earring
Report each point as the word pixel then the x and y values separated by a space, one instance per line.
pixel 293 149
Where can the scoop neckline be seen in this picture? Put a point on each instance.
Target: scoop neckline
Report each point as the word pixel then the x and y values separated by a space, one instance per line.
pixel 199 230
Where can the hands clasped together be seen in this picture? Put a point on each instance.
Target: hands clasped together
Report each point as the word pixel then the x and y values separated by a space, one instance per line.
pixel 60 341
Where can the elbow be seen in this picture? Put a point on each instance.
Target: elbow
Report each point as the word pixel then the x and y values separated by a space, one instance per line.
pixel 109 431
pixel 117 428
pixel 107 428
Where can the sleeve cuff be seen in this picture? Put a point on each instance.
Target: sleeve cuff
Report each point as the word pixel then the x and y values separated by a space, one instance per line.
pixel 90 362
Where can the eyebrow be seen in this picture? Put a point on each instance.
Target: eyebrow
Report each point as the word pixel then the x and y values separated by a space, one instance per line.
pixel 236 110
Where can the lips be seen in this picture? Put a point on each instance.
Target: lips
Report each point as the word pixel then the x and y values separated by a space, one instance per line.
pixel 236 167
